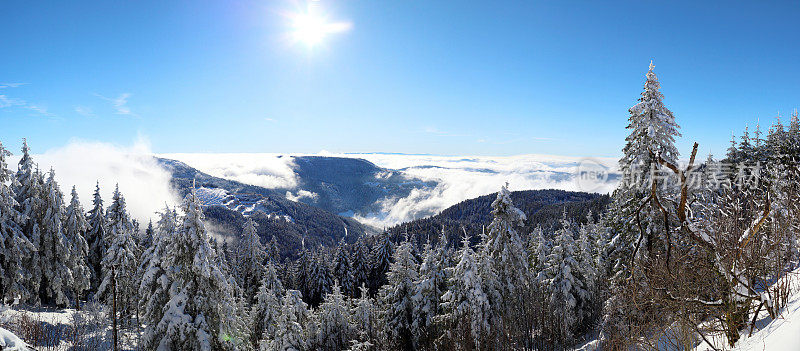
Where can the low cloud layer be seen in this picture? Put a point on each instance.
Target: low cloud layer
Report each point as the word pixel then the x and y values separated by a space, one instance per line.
pixel 271 171
pixel 462 178
pixel 141 180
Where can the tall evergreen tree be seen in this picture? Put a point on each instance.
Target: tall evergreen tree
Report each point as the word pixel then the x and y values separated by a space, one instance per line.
pixel 342 269
pixel 467 309
pixel 156 279
pixel 250 257
pixel 15 248
pixel 120 264
pixel 54 249
pixel 28 187
pixel 75 227
pixel 397 297
pixel 381 260
pixel 200 300
pixel 97 238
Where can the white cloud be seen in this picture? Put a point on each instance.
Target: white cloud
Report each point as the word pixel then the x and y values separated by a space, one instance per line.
pixel 7 101
pixel 141 180
pixel 119 103
pixel 266 170
pixel 84 111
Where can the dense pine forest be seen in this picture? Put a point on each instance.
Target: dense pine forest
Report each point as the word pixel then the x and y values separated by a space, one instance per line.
pixel 687 245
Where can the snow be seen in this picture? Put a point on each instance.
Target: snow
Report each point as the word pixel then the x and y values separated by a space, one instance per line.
pixel 10 342
pixel 781 334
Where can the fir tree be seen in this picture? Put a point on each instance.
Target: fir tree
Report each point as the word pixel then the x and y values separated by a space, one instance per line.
pixel 15 248
pixel 467 308
pixel 429 288
pixel 250 256
pixel 267 309
pixel 75 227
pixel 120 264
pixel 156 281
pixel 28 187
pixel 397 296
pixel 334 329
pixel 200 302
pixel 342 269
pixel 97 238
pixel 382 255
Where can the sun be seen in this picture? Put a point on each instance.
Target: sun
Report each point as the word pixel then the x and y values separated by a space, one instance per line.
pixel 311 27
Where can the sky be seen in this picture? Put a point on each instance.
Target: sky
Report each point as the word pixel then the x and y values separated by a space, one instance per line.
pixel 420 77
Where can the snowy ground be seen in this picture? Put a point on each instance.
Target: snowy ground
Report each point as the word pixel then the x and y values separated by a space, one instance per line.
pixel 10 342
pixel 781 334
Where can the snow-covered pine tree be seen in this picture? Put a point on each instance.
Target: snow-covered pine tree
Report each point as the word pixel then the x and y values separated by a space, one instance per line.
pixel 565 283
pixel 250 256
pixel 15 248
pixel 538 248
pixel 381 260
pixel 291 328
pixel 273 252
pixel 200 303
pixel 302 269
pixel 54 249
pixel 121 259
pixel 360 264
pixel 652 128
pixel 156 281
pixel 97 239
pixel 397 296
pixel 334 331
pixel 267 308
pixel 467 311
pixel 363 316
pixel 504 252
pixel 75 227
pixel 428 291
pixel 342 269
pixel 28 187
pixel 320 279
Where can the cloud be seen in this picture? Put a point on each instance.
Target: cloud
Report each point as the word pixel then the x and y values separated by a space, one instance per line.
pixel 7 101
pixel 11 85
pixel 119 103
pixel 266 170
pixel 84 111
pixel 141 180
pixel 270 119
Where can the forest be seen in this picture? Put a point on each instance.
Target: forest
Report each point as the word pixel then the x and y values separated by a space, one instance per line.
pixel 686 246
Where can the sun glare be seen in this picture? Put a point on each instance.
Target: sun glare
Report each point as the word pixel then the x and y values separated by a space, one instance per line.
pixel 311 27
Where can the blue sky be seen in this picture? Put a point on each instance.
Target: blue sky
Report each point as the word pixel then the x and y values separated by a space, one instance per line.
pixel 439 77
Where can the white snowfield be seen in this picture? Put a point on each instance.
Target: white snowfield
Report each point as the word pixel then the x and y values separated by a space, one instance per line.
pixel 781 334
pixel 10 342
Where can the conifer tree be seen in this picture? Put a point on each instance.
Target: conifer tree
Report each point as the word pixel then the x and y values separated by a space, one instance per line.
pixel 291 328
pixel 15 248
pixel 467 309
pixel 200 302
pixel 334 328
pixel 97 238
pixel 250 256
pixel 397 295
pixel 267 308
pixel 28 187
pixel 360 264
pixel 156 281
pixel 75 227
pixel 381 260
pixel 429 289
pixel 120 259
pixel 342 269
pixel 566 286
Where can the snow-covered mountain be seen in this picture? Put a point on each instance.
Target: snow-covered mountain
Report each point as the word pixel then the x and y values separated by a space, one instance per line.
pixel 387 189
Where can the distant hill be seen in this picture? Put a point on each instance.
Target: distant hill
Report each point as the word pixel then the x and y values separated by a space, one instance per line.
pixel 351 185
pixel 543 208
pixel 227 203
